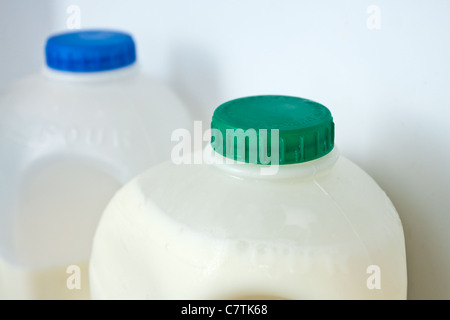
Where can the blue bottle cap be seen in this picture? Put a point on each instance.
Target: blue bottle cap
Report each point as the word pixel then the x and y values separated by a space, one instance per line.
pixel 90 51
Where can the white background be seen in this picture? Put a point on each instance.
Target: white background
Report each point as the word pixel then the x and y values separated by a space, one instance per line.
pixel 382 67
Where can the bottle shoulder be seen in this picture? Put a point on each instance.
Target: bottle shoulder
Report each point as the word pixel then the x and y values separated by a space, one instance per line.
pixel 39 95
pixel 343 205
pixel 336 166
pixel 342 184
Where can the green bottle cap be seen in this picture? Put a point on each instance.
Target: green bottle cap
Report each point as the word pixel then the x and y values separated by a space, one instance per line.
pixel 257 129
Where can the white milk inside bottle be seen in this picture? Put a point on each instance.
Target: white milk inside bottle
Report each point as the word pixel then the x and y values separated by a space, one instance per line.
pixel 70 137
pixel 273 212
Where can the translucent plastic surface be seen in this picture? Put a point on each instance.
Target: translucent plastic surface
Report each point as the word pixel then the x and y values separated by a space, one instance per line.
pixel 67 143
pixel 317 230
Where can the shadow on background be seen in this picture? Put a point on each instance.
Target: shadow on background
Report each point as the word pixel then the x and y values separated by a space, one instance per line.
pixel 195 78
pixel 414 173
pixel 24 27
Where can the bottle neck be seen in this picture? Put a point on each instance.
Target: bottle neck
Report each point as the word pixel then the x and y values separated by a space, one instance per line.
pixel 100 76
pixel 273 171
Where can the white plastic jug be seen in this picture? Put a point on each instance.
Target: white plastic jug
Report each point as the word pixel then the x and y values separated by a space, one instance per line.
pixel 69 138
pixel 273 212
